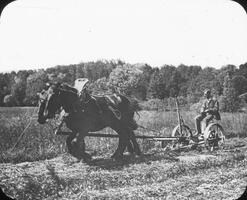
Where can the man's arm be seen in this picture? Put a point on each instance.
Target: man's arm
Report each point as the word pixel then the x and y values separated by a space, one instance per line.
pixel 203 108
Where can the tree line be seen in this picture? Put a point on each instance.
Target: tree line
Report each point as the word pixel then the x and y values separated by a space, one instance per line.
pixel 141 81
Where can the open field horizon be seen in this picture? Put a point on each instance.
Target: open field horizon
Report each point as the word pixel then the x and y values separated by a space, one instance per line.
pixel 40 142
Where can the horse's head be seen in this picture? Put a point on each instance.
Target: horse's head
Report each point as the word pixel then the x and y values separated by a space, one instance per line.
pixel 49 103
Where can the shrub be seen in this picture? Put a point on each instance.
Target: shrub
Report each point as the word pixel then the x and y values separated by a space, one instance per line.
pixel 165 104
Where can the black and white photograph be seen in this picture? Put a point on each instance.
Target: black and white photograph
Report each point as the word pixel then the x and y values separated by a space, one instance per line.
pixel 123 99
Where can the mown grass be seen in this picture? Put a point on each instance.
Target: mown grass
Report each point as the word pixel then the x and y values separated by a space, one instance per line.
pixel 141 179
pixel 39 142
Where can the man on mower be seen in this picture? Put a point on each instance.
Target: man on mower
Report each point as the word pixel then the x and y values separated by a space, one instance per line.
pixel 209 110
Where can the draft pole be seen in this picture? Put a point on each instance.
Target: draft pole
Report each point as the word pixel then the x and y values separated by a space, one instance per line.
pixel 179 117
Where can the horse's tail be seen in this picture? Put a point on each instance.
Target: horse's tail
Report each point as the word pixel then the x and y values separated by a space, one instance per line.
pixel 131 102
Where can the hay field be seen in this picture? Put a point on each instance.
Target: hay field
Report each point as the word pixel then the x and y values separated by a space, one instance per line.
pixel 40 168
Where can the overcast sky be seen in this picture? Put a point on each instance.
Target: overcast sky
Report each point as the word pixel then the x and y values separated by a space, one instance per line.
pixel 45 33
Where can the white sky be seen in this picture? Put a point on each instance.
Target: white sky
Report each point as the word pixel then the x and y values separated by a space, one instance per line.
pixel 45 33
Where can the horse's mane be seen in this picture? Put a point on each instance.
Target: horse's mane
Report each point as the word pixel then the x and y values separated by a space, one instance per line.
pixel 69 93
pixel 68 88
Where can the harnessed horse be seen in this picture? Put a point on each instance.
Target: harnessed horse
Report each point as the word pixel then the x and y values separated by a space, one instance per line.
pixel 93 115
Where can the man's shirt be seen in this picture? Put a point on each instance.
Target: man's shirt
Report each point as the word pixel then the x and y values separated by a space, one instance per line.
pixel 210 104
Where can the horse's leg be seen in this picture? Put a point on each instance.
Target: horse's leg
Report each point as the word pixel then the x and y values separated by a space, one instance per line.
pixel 79 146
pixel 126 139
pixel 69 144
pixel 134 142
pixel 122 143
pixel 130 142
pixel 117 152
pixel 76 146
pixel 72 145
pixel 130 147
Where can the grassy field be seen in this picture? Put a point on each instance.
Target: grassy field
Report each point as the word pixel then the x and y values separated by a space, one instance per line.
pixel 39 142
pixel 39 167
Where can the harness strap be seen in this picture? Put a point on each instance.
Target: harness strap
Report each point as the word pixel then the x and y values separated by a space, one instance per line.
pixel 111 104
pixel 116 112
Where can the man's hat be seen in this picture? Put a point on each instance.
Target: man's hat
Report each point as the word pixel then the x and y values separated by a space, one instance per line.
pixel 207 91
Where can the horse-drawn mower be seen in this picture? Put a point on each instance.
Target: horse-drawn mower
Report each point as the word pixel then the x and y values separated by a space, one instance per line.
pixel 182 137
pixel 212 136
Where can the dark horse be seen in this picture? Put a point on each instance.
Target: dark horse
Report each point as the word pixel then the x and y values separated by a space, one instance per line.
pixel 94 115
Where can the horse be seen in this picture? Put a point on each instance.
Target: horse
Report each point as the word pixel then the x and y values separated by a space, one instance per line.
pixel 93 115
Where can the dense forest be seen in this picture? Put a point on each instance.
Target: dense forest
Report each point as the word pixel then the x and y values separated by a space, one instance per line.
pixel 141 81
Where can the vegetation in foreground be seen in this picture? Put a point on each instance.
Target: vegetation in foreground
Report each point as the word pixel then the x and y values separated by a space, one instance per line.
pixel 156 175
pixel 53 174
